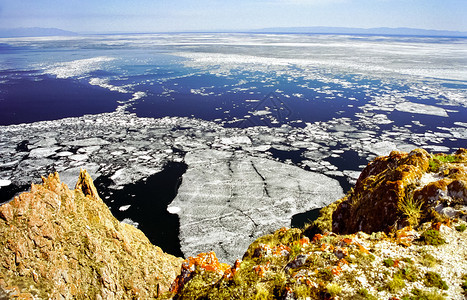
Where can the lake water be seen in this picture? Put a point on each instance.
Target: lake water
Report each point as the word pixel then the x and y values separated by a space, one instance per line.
pixel 344 98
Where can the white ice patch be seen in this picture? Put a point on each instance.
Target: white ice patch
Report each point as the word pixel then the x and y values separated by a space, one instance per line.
pixel 5 182
pixel 235 140
pixel 124 207
pixel 428 178
pixel 138 95
pixel 104 83
pixel 173 209
pixel 418 108
pixel 77 67
pixel 130 222
pixel 261 112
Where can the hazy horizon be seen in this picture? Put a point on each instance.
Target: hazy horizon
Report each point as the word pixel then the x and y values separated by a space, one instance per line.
pixel 210 15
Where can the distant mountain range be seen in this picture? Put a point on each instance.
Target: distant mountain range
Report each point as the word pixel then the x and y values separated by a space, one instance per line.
pixel 34 31
pixel 370 31
pixel 39 31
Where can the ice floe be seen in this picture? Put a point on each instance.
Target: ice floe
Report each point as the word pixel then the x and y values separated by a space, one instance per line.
pixel 419 108
pixel 228 199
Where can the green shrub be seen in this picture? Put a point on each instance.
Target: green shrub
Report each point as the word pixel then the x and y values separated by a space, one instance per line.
pixel 396 284
pixel 461 228
pixel 411 208
pixel 464 283
pixel 409 273
pixel 418 294
pixel 432 237
pixel 363 293
pixel 388 262
pixel 433 279
pixel 333 289
pixel 428 260
pixel 436 160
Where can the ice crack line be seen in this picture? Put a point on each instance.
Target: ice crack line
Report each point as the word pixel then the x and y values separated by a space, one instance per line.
pixel 265 187
pixel 251 219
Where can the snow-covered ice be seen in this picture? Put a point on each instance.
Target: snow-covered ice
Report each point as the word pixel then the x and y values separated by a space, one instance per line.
pixel 226 200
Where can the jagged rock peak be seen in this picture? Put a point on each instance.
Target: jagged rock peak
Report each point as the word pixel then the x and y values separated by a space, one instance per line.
pixel 86 184
pixel 58 243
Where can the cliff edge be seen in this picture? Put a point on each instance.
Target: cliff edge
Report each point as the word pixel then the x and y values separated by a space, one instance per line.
pixel 61 244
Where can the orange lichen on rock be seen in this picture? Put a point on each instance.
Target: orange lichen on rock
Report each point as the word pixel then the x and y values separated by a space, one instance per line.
pixel 207 261
pixel 203 262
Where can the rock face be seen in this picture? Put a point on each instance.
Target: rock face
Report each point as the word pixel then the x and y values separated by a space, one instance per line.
pixel 226 200
pixel 391 183
pixel 60 243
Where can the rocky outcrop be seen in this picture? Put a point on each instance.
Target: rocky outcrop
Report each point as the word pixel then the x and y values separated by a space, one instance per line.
pixel 393 189
pixel 289 265
pixel 60 243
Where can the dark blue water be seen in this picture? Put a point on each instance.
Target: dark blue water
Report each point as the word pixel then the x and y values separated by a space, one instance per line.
pixel 149 200
pixel 27 99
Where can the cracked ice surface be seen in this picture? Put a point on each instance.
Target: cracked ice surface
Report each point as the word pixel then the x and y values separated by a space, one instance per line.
pixel 128 149
pixel 228 199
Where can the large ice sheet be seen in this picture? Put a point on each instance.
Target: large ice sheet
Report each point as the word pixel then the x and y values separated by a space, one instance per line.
pixel 228 199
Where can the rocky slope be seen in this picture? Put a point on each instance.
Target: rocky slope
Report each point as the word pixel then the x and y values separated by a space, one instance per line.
pixel 399 234
pixel 60 243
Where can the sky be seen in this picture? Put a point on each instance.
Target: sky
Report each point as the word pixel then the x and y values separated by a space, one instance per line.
pixel 85 16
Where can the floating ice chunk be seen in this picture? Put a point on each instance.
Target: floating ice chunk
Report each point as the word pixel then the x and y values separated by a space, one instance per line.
pixel 9 164
pixel 418 108
pixel 64 153
pixel 43 152
pixel 5 182
pixel 261 112
pixel 381 148
pixel 89 149
pixel 173 209
pixel 457 132
pixel 236 140
pixel 130 222
pixel 124 207
pixel 95 141
pixel 436 148
pixel 132 174
pixel 460 124
pixel 47 142
pixel 79 157
pixel 381 119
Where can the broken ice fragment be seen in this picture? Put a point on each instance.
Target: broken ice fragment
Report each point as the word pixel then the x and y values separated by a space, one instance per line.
pixel 124 207
pixel 130 222
pixel 418 108
pixel 5 182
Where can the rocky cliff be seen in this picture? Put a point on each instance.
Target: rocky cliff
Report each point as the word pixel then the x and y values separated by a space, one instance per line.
pixel 60 243
pixel 399 234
